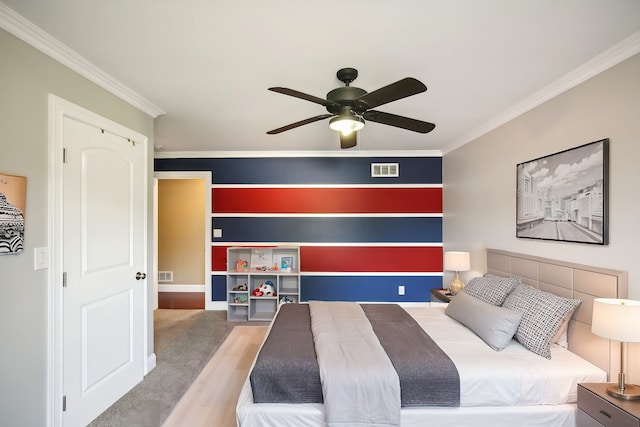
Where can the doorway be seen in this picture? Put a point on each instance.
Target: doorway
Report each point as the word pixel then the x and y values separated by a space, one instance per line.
pixel 177 282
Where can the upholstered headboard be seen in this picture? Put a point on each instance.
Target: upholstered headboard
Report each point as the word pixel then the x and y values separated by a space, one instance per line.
pixel 572 281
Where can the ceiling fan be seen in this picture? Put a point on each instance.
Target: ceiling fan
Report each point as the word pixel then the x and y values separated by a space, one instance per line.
pixel 349 107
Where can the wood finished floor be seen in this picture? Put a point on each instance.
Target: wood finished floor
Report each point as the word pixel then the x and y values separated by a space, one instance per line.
pixel 211 399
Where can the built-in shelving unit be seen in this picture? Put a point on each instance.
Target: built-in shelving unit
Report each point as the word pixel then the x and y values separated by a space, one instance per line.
pixel 250 267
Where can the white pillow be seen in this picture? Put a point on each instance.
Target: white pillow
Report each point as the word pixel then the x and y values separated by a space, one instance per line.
pixel 495 325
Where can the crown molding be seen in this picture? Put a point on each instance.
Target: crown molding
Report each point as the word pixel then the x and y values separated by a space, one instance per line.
pixel 607 59
pixel 28 32
pixel 301 153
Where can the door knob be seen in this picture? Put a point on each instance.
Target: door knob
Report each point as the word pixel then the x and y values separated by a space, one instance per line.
pixel 140 276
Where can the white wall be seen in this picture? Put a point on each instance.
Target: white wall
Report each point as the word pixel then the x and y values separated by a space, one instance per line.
pixel 26 78
pixel 479 179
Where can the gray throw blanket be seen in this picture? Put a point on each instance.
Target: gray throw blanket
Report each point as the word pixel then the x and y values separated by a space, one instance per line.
pixel 428 377
pixel 286 369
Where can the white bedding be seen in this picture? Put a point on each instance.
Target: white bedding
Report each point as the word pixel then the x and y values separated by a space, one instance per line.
pixel 506 388
pixel 513 376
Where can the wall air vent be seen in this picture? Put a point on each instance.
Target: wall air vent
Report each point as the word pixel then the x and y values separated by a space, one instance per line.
pixel 165 276
pixel 385 170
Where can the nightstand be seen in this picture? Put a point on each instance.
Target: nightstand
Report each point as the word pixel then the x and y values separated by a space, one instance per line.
pixel 596 408
pixel 440 297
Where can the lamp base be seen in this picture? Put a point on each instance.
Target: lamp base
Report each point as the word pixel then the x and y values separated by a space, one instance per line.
pixel 630 392
pixel 456 285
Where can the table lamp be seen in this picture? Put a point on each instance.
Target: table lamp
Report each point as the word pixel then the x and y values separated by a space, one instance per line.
pixel 618 320
pixel 457 261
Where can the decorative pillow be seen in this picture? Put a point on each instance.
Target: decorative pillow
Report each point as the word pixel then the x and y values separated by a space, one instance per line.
pixel 491 289
pixel 561 337
pixel 542 316
pixel 495 325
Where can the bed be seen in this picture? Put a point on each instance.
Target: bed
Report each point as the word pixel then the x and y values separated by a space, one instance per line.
pixel 509 387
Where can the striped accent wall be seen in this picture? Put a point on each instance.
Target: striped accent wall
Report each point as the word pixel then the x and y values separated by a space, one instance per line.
pixel 360 237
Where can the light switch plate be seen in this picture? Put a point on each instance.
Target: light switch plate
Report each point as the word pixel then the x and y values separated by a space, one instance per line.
pixel 40 258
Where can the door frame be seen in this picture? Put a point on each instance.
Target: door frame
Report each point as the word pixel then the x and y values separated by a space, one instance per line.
pixel 208 179
pixel 59 109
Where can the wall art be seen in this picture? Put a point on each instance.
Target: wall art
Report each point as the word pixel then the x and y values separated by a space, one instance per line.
pixel 13 198
pixel 564 196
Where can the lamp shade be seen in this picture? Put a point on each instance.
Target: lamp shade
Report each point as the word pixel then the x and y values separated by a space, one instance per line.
pixel 616 319
pixel 457 261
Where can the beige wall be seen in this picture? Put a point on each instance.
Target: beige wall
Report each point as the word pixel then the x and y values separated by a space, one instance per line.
pixel 27 77
pixel 479 178
pixel 181 229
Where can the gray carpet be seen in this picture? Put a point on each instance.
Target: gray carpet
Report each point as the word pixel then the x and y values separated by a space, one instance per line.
pixel 185 340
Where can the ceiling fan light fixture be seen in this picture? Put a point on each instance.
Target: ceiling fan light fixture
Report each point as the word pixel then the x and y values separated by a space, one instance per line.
pixel 346 124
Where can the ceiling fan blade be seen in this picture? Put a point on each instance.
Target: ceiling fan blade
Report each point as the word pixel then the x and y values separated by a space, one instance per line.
pixel 348 141
pixel 300 95
pixel 300 123
pixel 398 90
pixel 398 121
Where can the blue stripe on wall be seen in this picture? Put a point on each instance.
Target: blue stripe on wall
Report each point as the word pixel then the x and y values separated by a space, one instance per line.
pixel 218 288
pixel 308 170
pixel 330 229
pixel 368 288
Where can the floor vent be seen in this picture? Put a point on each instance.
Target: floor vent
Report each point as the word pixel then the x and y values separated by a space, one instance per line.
pixel 385 170
pixel 165 276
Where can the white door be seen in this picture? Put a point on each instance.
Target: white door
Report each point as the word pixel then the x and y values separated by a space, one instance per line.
pixel 103 246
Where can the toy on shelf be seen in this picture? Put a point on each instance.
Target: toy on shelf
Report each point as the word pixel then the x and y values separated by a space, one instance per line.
pixel 286 300
pixel 242 287
pixel 240 300
pixel 242 265
pixel 274 267
pixel 267 289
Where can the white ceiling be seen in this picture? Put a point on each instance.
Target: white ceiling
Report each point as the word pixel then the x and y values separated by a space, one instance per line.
pixel 208 63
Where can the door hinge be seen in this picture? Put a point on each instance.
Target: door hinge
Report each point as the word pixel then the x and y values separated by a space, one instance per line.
pixel 64 155
pixel 64 403
pixel 64 279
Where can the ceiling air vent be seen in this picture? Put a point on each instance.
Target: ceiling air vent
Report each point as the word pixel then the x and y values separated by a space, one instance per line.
pixel 384 170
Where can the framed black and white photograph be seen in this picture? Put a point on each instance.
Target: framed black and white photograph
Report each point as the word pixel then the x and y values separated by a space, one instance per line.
pixel 564 196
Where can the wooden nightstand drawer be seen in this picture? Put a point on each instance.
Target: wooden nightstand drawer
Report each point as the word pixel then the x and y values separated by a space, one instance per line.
pixel 603 411
pixel 584 420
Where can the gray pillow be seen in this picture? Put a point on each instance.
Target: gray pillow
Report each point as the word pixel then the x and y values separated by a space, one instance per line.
pixel 542 316
pixel 491 289
pixel 495 325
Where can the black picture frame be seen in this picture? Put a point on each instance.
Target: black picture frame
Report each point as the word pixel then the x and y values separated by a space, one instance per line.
pixel 565 196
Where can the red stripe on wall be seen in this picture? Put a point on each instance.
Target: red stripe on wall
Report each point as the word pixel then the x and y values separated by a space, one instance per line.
pixel 219 258
pixel 327 200
pixel 371 259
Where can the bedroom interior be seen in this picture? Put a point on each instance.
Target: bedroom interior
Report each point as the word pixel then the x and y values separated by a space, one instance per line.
pixel 361 238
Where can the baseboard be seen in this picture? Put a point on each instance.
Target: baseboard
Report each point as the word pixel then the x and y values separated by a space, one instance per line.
pixel 180 288
pixel 216 305
pixel 151 363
